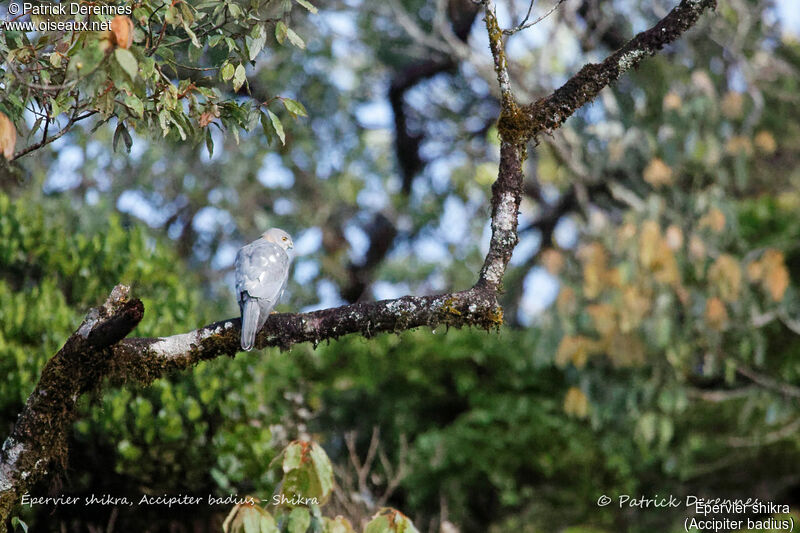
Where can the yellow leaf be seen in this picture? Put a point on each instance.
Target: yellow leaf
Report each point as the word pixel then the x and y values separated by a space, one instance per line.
pixel 657 173
pixel 765 142
pixel 575 349
pixel 613 277
pixel 739 144
pixel 732 104
pixel 697 248
pixel 726 275
pixel 714 219
pixel 122 31
pixel 703 82
pixel 616 151
pixel 776 282
pixel 625 350
pixel 594 259
pixel 716 315
pixel 603 317
pixel 755 270
pixel 649 238
pixel 788 200
pixel 672 101
pixel 576 403
pixel 776 275
pixel 553 261
pixel 565 302
pixel 635 307
pixel 8 136
pixel 655 254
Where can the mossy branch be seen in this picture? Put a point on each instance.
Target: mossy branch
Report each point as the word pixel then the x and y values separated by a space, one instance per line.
pixel 146 359
pixel 38 442
pixel 98 350
pixel 550 112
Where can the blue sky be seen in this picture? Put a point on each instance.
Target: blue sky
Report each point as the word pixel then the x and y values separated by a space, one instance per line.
pixel 540 287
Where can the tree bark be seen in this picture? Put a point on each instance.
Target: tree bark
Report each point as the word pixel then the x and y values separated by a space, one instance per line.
pixel 98 350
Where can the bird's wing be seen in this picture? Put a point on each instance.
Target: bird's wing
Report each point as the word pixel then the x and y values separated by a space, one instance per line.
pixel 262 269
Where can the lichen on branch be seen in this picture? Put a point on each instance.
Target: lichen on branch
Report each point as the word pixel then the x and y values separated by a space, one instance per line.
pixel 550 112
pixel 98 351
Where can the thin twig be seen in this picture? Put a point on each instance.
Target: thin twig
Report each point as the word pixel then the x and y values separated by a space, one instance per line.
pixel 499 55
pixel 523 25
pixel 73 119
pixel 789 430
pixel 769 383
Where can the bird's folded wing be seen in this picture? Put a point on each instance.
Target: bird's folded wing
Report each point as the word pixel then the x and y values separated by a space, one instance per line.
pixel 262 269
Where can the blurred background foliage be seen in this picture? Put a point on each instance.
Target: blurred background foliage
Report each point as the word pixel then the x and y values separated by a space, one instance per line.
pixel 652 305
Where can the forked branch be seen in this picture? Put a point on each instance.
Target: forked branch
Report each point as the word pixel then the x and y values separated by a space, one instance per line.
pixel 98 351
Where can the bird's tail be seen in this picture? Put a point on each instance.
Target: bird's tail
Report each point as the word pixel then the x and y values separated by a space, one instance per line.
pixel 250 312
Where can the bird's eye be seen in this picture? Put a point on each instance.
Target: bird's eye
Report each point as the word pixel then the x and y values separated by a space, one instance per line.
pixel 285 239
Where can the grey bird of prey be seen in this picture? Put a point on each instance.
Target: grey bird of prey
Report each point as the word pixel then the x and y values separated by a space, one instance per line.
pixel 262 270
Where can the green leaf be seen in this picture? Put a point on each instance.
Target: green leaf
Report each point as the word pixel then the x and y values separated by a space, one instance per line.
pixel 186 14
pixel 166 53
pixel 255 41
pixel 227 71
pixel 58 105
pixel 191 34
pixel 337 525
pixel 266 126
pixel 86 60
pixel 276 123
pixel 251 521
pixel 239 76
pixel 646 426
pixel 294 107
pixel 323 470
pixel 171 16
pixel 295 39
pixel 209 142
pixel 236 11
pixel 299 520
pixel 163 121
pixel 390 521
pixel 147 66
pixel 17 522
pixel 293 454
pixel 307 5
pixel 122 133
pixel 195 53
pixel 268 524
pixel 135 105
pixel 280 32
pixel 127 62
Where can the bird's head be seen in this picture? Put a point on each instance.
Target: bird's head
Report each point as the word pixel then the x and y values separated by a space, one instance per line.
pixel 279 237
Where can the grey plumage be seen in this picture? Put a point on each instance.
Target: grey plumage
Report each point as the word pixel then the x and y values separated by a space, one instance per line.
pixel 262 270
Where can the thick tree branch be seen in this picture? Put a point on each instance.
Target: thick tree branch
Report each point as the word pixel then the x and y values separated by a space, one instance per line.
pixel 38 440
pixel 98 350
pixel 548 113
pixel 145 359
pixel 507 189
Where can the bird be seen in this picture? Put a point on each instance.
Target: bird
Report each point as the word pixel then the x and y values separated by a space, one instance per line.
pixel 262 270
